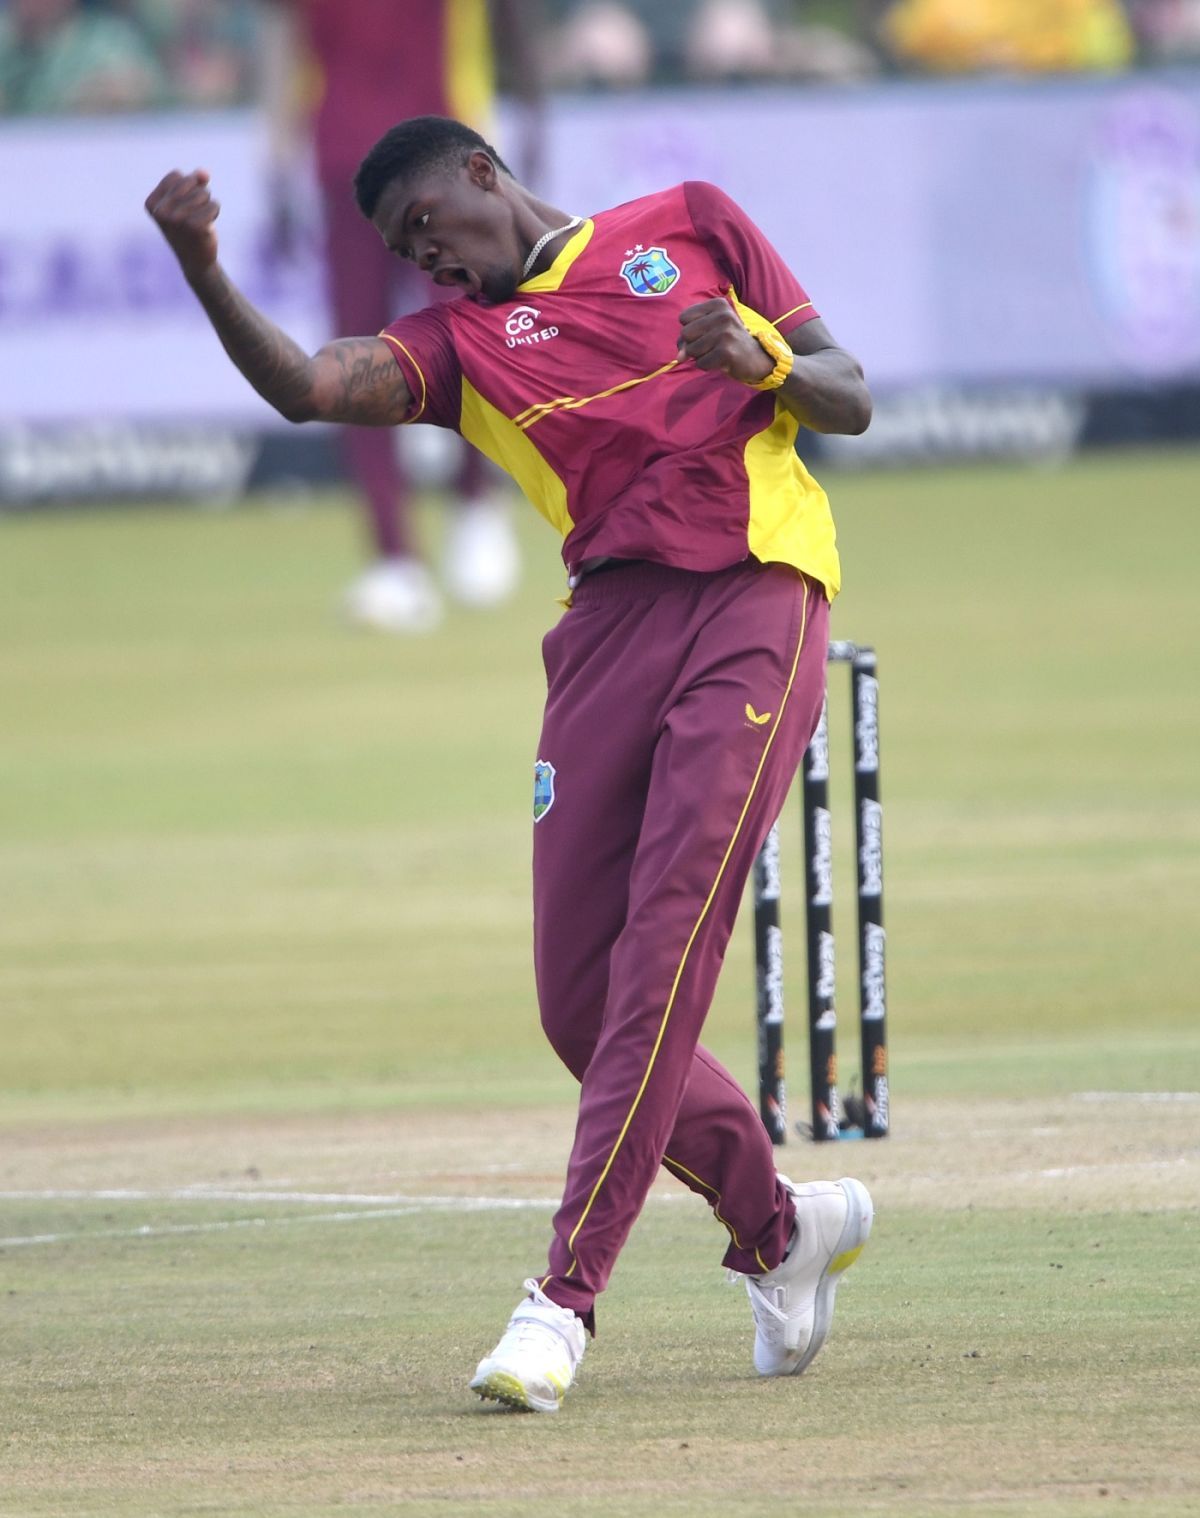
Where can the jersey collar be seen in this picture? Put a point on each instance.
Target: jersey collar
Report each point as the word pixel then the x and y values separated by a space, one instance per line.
pixel 552 278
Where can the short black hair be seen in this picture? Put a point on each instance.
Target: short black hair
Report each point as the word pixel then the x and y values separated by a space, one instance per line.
pixel 416 146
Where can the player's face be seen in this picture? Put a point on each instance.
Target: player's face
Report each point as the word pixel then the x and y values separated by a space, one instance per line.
pixel 456 227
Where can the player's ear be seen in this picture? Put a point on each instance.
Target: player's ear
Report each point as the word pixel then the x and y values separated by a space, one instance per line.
pixel 481 170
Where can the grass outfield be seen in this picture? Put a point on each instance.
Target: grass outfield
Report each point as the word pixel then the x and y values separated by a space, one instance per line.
pixel 268 1023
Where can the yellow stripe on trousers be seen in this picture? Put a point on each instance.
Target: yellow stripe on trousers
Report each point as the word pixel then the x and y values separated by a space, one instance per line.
pixel 716 1207
pixel 704 910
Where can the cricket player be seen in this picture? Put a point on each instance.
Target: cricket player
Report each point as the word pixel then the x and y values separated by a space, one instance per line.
pixel 641 373
pixel 374 61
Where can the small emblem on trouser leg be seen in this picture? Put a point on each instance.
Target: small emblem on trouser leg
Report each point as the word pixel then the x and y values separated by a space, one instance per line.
pixel 543 789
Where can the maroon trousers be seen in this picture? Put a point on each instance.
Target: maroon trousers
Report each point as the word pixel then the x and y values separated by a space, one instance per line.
pixel 679 707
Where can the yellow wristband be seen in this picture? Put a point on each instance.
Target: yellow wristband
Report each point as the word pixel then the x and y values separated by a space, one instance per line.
pixel 774 347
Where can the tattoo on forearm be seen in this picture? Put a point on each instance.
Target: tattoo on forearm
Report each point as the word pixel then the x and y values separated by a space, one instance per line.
pixel 277 367
pixel 355 379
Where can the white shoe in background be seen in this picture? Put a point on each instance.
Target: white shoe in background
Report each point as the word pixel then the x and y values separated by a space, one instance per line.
pixel 793 1304
pixel 534 1364
pixel 482 562
pixel 394 595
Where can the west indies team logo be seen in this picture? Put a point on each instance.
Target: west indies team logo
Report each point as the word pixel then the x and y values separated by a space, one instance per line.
pixel 543 789
pixel 648 271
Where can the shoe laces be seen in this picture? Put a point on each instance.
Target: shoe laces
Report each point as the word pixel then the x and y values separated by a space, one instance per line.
pixel 760 1300
pixel 537 1295
pixel 551 1319
pixel 761 1304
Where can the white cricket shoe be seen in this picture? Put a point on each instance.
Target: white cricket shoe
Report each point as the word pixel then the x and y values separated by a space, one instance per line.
pixel 395 595
pixel 793 1304
pixel 534 1364
pixel 482 563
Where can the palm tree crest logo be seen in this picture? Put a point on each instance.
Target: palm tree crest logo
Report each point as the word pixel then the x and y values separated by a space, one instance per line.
pixel 649 271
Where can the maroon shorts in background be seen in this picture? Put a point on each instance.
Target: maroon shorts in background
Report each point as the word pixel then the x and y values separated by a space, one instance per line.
pixel 679 706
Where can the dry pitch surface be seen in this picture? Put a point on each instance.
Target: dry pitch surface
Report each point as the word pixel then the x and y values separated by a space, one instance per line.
pixel 279 1316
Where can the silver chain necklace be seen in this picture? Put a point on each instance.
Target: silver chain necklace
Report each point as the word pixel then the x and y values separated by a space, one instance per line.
pixel 575 221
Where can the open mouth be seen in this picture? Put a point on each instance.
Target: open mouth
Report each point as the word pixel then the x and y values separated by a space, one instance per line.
pixel 455 276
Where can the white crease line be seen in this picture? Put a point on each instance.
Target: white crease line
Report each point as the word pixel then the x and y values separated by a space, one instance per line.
pixel 201 1193
pixel 149 1231
pixel 1136 1096
pixel 372 1205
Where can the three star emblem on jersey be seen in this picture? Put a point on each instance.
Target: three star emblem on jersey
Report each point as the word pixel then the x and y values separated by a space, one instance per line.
pixel 648 271
pixel 543 789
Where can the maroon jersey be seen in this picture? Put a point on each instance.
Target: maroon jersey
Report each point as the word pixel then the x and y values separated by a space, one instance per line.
pixel 575 388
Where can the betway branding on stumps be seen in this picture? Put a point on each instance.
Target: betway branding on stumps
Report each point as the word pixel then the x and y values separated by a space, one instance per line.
pixel 828 1109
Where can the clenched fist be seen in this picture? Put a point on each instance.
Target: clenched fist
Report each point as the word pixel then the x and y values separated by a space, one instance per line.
pixel 185 211
pixel 714 336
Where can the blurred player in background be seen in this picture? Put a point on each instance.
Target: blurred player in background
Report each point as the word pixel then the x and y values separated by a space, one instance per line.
pixel 643 374
pixel 60 55
pixel 367 64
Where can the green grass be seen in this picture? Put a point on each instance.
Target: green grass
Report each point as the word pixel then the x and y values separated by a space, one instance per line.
pixel 221 812
pixel 264 908
pixel 208 1374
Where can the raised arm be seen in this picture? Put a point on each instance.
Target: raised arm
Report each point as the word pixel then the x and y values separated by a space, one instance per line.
pixel 354 379
pixel 825 390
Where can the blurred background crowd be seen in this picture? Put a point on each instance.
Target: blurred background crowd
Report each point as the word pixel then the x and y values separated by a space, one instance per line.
pixel 1047 242
pixel 59 56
